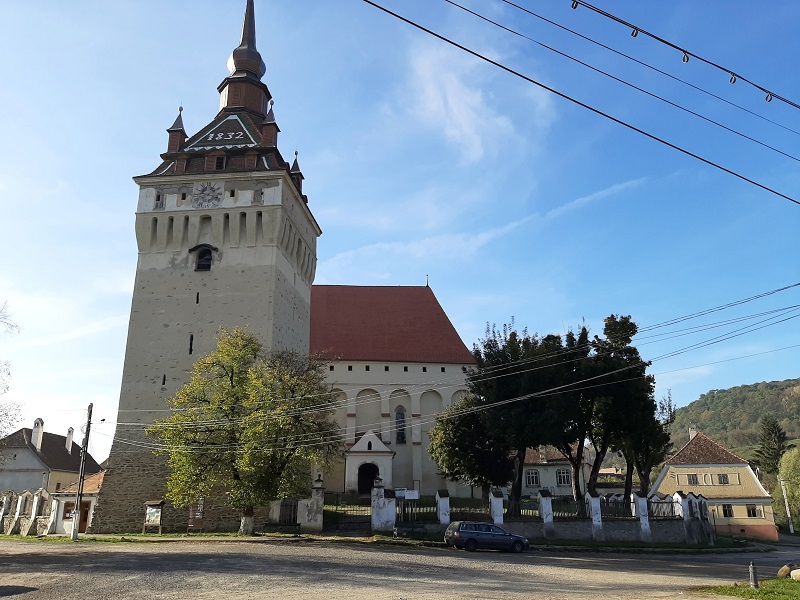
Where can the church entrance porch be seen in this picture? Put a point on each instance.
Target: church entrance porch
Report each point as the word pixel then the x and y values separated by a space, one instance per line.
pixel 367 474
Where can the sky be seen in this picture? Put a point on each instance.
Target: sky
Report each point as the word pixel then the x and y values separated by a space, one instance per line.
pixel 421 162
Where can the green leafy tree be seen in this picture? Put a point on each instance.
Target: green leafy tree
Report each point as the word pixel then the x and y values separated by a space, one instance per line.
pixel 624 396
pixel 466 449
pixel 771 444
pixel 515 369
pixel 789 471
pixel 248 424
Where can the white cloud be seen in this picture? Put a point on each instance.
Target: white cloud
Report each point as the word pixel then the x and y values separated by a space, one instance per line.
pixel 599 195
pixel 447 246
pixel 448 96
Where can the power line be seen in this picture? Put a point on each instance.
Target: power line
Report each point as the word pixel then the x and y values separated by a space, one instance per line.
pixel 649 66
pixel 627 83
pixel 583 104
pixel 734 76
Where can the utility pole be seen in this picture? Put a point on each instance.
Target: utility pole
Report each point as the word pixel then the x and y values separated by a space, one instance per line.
pixel 786 504
pixel 76 516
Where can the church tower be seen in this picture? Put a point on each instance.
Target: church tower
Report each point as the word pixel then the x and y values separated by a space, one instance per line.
pixel 225 238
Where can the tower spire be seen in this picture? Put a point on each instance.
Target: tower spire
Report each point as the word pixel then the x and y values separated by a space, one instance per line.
pixel 246 58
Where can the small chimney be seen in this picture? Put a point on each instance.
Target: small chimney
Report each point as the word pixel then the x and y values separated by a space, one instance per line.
pixel 70 431
pixel 37 434
pixel 692 432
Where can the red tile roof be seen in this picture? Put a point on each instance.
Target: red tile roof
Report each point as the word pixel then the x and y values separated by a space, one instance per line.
pixel 91 484
pixel 383 323
pixel 702 450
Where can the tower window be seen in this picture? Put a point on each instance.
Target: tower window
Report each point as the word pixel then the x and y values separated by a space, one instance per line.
pixel 219 163
pixel 366 367
pixel 400 424
pixel 159 203
pixel 163 380
pixel 330 368
pixel 386 368
pixel 442 369
pixel 424 369
pixel 183 196
pixel 233 193
pixel 204 260
pixel 191 343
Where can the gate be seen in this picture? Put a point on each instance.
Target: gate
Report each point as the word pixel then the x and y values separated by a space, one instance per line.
pixel 347 512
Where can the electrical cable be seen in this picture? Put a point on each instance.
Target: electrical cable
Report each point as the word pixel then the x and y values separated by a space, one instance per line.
pixel 583 104
pixel 686 54
pixel 622 81
pixel 649 66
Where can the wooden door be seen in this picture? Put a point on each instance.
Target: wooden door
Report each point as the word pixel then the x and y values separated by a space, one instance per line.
pixel 86 507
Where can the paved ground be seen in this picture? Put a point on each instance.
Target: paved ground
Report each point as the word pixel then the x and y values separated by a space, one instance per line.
pixel 310 570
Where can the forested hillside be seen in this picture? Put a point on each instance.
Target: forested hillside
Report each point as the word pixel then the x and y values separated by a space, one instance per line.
pixel 731 416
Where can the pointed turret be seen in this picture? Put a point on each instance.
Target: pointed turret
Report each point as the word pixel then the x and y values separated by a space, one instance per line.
pixel 177 134
pixel 297 174
pixel 244 88
pixel 246 58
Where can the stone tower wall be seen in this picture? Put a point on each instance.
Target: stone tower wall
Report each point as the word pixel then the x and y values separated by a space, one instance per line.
pixel 264 258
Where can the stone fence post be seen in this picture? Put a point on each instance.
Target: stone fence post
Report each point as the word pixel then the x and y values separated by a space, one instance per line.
pixel 546 512
pixel 496 506
pixel 593 501
pixel 443 506
pixel 309 511
pixel 639 506
pixel 384 510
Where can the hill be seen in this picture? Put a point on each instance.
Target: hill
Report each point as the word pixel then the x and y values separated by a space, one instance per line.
pixel 731 416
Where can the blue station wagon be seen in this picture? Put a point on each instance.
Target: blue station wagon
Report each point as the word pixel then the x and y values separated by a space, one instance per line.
pixel 471 536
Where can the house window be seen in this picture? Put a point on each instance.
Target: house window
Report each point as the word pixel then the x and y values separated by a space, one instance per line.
pixel 400 424
pixel 204 260
pixel 727 510
pixel 58 486
pixel 68 508
pixel 563 477
pixel 532 478
pixel 691 479
pixel 219 163
pixel 722 479
pixel 753 511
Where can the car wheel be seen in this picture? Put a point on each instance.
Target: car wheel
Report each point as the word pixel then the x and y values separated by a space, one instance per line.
pixel 517 547
pixel 470 546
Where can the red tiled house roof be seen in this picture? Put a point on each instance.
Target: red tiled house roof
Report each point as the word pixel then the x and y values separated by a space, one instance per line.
pixel 91 484
pixel 702 450
pixel 383 323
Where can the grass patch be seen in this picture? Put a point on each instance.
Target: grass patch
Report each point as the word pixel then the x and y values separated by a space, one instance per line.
pixel 770 589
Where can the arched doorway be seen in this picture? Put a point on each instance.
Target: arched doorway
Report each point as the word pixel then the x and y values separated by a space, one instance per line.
pixel 367 473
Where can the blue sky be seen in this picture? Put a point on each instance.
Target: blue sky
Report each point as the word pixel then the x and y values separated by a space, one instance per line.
pixel 419 161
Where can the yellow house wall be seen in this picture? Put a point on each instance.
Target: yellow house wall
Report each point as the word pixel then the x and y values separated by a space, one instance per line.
pixel 741 483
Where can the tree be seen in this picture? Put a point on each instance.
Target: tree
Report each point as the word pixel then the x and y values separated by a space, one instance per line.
pixel 466 449
pixel 249 424
pixel 7 326
pixel 624 395
pixel 771 444
pixel 789 471
pixel 9 412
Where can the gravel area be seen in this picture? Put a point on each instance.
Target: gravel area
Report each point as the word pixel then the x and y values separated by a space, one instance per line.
pixel 310 570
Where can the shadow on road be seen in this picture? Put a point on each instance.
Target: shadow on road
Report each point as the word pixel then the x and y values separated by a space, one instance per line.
pixel 15 590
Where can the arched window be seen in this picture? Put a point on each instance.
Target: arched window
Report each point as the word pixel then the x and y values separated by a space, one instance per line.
pixel 204 260
pixel 400 424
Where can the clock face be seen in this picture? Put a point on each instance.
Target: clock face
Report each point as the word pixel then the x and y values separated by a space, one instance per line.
pixel 207 195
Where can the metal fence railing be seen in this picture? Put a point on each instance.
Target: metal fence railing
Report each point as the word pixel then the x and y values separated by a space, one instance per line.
pixel 616 509
pixel 471 513
pixel 568 508
pixel 667 509
pixel 528 511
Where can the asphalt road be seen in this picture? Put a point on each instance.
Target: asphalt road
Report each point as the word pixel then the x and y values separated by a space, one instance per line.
pixel 310 570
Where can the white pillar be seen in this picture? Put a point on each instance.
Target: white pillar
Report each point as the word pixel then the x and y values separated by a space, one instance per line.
pixel 640 510
pixel 384 510
pixel 546 512
pixel 597 518
pixel 496 504
pixel 443 507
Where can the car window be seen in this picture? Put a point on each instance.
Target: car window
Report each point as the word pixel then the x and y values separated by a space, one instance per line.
pixel 496 529
pixel 484 528
pixel 468 527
